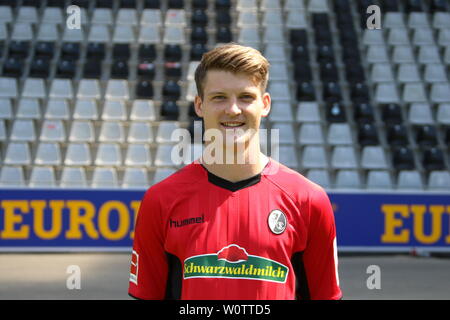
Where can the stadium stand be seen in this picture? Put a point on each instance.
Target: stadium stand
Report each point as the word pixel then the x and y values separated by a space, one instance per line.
pixel 96 106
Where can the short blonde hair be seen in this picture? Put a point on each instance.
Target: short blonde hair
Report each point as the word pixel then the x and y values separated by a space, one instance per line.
pixel 236 59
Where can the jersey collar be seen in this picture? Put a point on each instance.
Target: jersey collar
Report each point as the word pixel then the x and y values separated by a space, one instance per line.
pixel 234 186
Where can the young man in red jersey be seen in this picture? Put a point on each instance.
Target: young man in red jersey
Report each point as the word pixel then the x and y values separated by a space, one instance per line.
pixel 234 227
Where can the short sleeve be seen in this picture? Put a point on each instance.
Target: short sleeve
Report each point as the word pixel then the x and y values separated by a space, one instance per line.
pixel 320 255
pixel 149 267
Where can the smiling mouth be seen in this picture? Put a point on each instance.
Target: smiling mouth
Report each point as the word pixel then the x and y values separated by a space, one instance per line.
pixel 232 124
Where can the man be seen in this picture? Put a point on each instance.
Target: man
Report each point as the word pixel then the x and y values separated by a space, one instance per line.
pixel 234 224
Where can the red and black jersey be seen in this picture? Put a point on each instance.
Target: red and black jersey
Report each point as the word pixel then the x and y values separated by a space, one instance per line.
pixel 198 236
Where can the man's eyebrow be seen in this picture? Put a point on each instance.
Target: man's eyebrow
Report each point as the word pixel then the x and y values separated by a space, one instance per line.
pixel 221 92
pixel 215 92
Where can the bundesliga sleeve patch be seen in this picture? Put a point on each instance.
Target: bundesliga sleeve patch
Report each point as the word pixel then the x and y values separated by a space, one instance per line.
pixel 233 262
pixel 134 267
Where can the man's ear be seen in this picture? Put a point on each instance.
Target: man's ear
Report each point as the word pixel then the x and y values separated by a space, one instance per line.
pixel 267 102
pixel 198 105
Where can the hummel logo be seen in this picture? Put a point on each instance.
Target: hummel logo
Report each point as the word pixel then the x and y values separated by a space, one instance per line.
pixel 185 222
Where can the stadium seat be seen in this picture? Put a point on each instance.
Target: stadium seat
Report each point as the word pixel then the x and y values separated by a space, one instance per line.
pixel 281 111
pixel 286 132
pixel 403 159
pixel 57 109
pixel 339 134
pixel 12 176
pixel 379 179
pixel 23 130
pixel 420 113
pixel 398 37
pixel 428 54
pixel 435 73
pixel 409 180
pixel 275 52
pixel 403 54
pixel 165 131
pixel 17 153
pixel 102 16
pixel 42 177
pixel 418 20
pixel 111 131
pixel 335 112
pixel 294 4
pixel 396 134
pixel 310 133
pixel 382 72
pixel 386 93
pixel 78 154
pixel 441 20
pixel 117 90
pixel 343 157
pixel 169 110
pixel 48 154
pixel 6 109
pixel 85 109
pixel 28 108
pixel 414 92
pixel 34 88
pixel 114 110
pixel 105 178
pixel 443 113
pixel 82 131
pixel 127 16
pixel 422 37
pixel 140 132
pixel 308 112
pixel 440 92
pixel 108 154
pixel 348 179
pixel 135 178
pixel 163 155
pixel 142 110
pixel 73 177
pixel 247 18
pixel 2 130
pixel 99 33
pixel 373 157
pixel 287 155
pixel 363 113
pixel 138 155
pixel 433 159
pixel 439 180
pixel 314 157
pixel 408 72
pixel 444 37
pixel 53 131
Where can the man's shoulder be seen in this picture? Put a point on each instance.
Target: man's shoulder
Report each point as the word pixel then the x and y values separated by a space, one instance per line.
pixel 291 181
pixel 183 177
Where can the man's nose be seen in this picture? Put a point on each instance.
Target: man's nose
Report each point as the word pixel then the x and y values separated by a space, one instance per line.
pixel 233 108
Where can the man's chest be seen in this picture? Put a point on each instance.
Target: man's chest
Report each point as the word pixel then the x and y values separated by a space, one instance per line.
pixel 262 225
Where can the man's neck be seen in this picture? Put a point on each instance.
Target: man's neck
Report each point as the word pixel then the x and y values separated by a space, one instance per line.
pixel 238 171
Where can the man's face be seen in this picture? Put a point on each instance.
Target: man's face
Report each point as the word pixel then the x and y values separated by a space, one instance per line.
pixel 233 104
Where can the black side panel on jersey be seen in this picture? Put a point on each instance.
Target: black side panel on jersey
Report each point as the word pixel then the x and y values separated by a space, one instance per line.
pixel 174 278
pixel 301 282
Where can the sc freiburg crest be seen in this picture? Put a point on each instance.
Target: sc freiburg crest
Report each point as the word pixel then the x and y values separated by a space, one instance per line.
pixel 277 221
